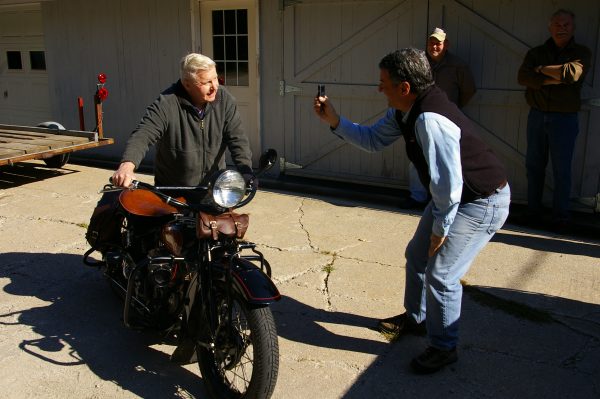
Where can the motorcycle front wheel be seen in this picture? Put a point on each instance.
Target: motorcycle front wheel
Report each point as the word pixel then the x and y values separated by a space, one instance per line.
pixel 244 361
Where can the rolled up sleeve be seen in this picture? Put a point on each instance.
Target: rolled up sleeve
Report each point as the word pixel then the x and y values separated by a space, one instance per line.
pixel 440 140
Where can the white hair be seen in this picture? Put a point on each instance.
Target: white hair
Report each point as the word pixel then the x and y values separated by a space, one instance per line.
pixel 193 63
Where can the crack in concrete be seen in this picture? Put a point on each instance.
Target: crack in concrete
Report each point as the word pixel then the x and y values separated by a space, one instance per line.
pixel 572 361
pixel 78 224
pixel 308 238
pixel 328 269
pixel 289 278
pixel 348 366
pixel 282 249
pixel 568 363
pixel 329 266
pixel 367 261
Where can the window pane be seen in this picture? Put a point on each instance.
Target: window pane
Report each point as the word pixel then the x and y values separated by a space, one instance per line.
pixel 242 22
pixel 219 48
pixel 220 68
pixel 230 22
pixel 243 78
pixel 231 73
pixel 242 48
pixel 230 48
pixel 37 60
pixel 13 59
pixel 217 21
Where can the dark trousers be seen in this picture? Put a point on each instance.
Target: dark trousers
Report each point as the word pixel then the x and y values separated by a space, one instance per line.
pixel 553 134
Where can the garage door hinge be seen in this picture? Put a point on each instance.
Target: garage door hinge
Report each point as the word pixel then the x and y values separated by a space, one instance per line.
pixel 287 3
pixel 283 88
pixel 592 101
pixel 285 165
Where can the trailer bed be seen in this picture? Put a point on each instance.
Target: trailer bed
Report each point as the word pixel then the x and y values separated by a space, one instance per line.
pixel 22 143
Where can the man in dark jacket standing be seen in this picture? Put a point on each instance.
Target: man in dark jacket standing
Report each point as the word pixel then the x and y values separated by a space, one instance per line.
pixel 454 77
pixel 553 74
pixel 191 123
pixel 470 197
pixel 450 73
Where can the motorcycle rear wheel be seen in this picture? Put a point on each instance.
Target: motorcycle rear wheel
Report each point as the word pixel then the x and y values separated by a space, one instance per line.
pixel 250 368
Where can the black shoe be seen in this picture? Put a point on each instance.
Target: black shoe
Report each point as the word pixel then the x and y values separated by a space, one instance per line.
pixel 411 203
pixel 433 359
pixel 401 324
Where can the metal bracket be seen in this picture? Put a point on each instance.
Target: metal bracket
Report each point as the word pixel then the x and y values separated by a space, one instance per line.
pixel 283 88
pixel 287 3
pixel 284 165
pixel 594 102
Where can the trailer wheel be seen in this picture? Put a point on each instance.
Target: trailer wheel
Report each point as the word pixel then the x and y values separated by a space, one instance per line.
pixel 60 160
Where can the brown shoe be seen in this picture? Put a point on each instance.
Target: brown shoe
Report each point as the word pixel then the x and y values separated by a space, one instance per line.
pixel 401 324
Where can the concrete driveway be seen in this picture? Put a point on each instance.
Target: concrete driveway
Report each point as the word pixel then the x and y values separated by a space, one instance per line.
pixel 530 325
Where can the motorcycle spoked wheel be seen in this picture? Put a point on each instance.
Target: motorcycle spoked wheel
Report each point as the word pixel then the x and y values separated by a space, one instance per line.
pixel 248 365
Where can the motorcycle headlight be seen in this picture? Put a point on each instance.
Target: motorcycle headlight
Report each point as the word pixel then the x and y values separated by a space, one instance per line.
pixel 229 189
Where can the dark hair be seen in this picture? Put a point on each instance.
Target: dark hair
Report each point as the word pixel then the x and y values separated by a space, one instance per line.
pixel 408 65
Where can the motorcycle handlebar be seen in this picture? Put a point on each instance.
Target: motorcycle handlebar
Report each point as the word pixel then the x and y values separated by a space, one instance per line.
pixel 251 188
pixel 135 184
pixel 156 190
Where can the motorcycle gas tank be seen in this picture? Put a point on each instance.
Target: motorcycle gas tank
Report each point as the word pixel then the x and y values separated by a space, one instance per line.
pixel 146 203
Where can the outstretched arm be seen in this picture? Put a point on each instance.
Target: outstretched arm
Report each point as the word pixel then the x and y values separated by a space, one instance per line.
pixel 325 110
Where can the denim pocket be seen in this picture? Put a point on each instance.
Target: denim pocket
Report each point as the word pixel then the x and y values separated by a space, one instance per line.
pixel 499 209
pixel 492 228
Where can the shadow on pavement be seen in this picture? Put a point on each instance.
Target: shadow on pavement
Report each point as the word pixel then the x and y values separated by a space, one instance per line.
pixel 80 323
pixel 508 350
pixel 299 322
pixel 24 173
pixel 549 244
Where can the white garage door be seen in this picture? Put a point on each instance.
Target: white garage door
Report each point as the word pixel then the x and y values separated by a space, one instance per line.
pixel 24 97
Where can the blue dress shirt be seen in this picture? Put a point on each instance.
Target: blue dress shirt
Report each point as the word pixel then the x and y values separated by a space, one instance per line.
pixel 440 140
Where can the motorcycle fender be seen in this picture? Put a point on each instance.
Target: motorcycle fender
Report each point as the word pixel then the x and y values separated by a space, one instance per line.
pixel 253 283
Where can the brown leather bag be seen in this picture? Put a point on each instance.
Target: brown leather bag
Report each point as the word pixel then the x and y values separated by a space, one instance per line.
pixel 229 224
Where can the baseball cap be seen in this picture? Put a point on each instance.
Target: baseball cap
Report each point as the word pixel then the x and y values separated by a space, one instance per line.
pixel 439 34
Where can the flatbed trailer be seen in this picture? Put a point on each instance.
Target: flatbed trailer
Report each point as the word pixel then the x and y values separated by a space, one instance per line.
pixel 50 141
pixel 22 143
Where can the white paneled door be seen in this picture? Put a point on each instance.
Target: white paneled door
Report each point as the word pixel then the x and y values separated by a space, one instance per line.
pixel 229 35
pixel 24 97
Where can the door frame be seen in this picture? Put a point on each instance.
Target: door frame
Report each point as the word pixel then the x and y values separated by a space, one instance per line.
pixel 202 42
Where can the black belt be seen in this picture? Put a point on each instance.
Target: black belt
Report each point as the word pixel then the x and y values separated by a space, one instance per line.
pixel 469 195
pixel 500 187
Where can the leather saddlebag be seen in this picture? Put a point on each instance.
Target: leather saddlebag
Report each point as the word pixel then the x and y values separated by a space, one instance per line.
pixel 229 224
pixel 104 229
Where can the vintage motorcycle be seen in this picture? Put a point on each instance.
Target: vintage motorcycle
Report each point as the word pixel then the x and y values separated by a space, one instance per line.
pixel 177 257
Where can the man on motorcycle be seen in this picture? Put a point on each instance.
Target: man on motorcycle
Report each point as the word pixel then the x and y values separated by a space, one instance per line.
pixel 191 123
pixel 470 197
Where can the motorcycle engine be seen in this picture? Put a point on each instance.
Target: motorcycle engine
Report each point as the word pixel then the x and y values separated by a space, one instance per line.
pixel 164 284
pixel 161 274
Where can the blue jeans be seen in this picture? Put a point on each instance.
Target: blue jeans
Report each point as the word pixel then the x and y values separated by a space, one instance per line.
pixel 433 291
pixel 551 133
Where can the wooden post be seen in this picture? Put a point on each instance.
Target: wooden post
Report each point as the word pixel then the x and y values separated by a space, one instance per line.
pixel 101 94
pixel 80 110
pixel 98 104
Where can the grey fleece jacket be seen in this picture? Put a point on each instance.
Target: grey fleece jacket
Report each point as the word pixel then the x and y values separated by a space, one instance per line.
pixel 187 146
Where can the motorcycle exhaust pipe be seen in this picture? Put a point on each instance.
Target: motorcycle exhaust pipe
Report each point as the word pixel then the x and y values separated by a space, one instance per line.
pixel 129 293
